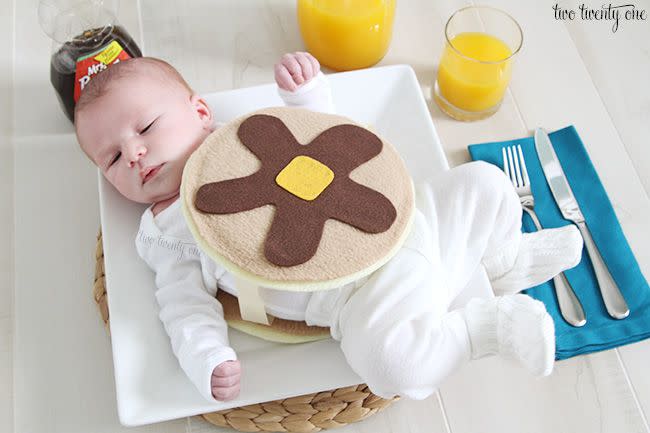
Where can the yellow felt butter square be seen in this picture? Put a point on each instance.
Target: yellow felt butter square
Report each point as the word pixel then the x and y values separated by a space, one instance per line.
pixel 305 177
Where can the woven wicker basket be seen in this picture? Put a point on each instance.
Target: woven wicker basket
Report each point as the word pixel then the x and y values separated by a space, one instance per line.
pixel 302 414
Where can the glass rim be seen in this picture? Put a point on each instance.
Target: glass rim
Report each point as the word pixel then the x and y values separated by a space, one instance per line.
pixel 521 34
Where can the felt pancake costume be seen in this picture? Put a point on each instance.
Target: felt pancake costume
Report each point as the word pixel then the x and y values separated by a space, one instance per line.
pixel 291 199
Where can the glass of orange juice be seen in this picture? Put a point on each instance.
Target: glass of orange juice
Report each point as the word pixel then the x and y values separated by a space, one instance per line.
pixel 346 34
pixel 476 63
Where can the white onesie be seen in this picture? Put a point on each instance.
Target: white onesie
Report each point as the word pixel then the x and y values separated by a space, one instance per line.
pixel 394 326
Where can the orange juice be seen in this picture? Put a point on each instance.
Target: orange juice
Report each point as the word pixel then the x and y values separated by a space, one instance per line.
pixel 346 34
pixel 474 72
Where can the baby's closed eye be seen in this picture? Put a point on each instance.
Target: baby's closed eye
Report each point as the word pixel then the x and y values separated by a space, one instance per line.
pixel 148 127
pixel 115 158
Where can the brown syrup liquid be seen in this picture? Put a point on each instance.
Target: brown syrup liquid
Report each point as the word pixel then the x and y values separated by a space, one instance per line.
pixel 64 61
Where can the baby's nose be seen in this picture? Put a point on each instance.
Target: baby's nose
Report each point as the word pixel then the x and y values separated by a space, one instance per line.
pixel 136 155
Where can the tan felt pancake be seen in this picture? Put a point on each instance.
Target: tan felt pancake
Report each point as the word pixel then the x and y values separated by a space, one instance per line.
pixel 280 330
pixel 317 179
pixel 351 246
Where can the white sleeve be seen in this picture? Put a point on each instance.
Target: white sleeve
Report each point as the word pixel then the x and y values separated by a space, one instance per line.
pixel 314 95
pixel 191 315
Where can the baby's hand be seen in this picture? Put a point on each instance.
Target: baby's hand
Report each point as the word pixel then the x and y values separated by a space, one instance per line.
pixel 295 69
pixel 225 380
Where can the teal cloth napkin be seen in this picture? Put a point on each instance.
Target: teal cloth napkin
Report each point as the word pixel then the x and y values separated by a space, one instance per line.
pixel 601 332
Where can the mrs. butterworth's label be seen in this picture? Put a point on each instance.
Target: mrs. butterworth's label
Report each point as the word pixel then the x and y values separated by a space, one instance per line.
pixel 91 64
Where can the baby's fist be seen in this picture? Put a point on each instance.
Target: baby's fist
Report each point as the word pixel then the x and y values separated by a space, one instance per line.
pixel 295 69
pixel 225 380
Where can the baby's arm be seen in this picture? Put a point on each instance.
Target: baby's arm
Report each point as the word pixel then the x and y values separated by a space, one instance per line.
pixel 301 84
pixel 193 318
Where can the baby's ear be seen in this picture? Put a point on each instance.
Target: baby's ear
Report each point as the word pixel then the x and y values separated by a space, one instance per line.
pixel 202 109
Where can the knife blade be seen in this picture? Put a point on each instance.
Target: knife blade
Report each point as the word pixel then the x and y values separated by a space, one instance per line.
pixel 568 205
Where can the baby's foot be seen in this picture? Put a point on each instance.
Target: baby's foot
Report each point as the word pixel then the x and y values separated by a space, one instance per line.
pixel 514 326
pixel 541 256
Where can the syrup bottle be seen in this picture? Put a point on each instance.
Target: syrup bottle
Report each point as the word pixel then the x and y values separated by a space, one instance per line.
pixel 87 40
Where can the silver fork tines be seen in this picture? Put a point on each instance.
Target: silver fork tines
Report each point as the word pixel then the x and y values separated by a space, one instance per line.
pixel 514 166
pixel 518 176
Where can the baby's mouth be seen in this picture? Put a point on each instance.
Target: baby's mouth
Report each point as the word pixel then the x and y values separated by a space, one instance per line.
pixel 148 173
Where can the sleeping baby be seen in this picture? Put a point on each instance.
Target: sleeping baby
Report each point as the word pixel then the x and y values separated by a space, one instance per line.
pixel 398 327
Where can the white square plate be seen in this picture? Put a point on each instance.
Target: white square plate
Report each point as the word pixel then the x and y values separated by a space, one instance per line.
pixel 150 385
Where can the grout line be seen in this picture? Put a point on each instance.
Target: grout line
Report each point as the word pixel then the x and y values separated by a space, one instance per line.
pixel 12 72
pixel 138 8
pixel 508 89
pixel 609 115
pixel 444 411
pixel 632 390
pixel 12 266
pixel 521 118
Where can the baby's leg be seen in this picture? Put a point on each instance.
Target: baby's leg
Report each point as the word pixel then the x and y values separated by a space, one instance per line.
pixel 394 330
pixel 478 218
pixel 398 336
pixel 475 216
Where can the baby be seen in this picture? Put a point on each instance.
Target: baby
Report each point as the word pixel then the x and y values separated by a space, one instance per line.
pixel 399 327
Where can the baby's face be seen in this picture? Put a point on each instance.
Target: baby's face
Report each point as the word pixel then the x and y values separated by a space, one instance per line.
pixel 141 132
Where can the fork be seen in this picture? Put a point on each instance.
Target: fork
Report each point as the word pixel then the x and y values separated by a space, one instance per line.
pixel 514 166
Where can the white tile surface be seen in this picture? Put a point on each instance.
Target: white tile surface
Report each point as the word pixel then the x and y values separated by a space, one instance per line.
pixel 6 221
pixel 32 78
pixel 573 72
pixel 620 77
pixel 63 367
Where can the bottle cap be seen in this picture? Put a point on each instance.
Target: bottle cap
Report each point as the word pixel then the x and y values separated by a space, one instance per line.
pixel 62 20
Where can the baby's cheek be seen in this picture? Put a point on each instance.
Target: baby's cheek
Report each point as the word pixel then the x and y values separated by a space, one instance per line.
pixel 125 185
pixel 111 177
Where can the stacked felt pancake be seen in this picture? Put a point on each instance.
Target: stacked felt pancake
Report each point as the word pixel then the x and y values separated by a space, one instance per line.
pixel 290 199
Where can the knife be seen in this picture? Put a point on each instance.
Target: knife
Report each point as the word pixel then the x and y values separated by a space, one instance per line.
pixel 566 201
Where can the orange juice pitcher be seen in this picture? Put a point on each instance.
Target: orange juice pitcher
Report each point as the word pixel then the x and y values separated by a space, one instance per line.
pixel 346 34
